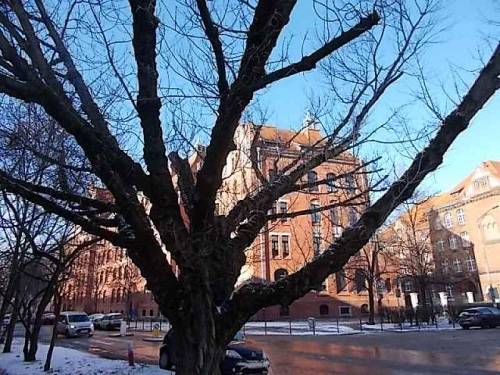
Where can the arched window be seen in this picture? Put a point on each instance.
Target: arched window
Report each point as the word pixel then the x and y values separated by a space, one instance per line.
pixel 324 310
pixel 280 273
pixel 315 215
pixel 312 177
pixel 489 228
pixel 364 308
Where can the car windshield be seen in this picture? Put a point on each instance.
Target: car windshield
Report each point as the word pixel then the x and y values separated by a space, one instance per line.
pixel 471 312
pixel 116 316
pixel 78 318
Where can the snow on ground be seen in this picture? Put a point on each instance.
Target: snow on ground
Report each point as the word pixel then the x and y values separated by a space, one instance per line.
pixel 67 361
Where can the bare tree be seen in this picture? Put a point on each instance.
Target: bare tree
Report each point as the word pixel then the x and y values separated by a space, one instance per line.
pixel 203 65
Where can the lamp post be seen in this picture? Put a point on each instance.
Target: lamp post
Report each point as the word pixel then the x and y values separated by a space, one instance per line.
pixel 491 292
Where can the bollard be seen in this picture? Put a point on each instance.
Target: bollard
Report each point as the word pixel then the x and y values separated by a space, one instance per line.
pixel 381 324
pixel 338 330
pixel 290 326
pixel 360 325
pixel 130 354
pixel 314 327
pixel 265 327
pixel 143 324
pixel 160 324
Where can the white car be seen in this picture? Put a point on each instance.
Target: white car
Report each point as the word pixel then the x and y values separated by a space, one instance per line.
pixel 6 320
pixel 74 323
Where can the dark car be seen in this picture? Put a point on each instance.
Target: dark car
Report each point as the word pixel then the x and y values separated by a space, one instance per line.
pixel 48 318
pixel 240 358
pixel 483 317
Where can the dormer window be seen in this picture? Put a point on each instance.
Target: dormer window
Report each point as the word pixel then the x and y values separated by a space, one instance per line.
pixel 481 183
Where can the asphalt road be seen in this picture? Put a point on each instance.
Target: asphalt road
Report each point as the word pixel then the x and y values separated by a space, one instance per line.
pixel 446 352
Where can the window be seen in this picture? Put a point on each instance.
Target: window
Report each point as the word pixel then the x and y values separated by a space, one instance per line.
pixel 217 209
pixel 345 311
pixel 465 239
pixel 330 182
pixel 460 216
pixel 360 280
pixel 316 241
pixel 489 228
pixel 407 286
pixel 285 245
pixel 274 245
pixel 457 265
pixel 151 312
pixel 274 209
pixel 315 216
pixel 444 266
pixel 453 242
pixel 350 183
pixel 353 216
pixel 283 207
pixel 448 220
pixel 481 183
pixel 440 245
pixel 364 308
pixel 437 223
pixel 284 311
pixel 324 310
pixel 471 263
pixel 273 176
pixel 388 286
pixel 280 273
pixel 312 177
pixel 449 290
pixel 340 281
pixel 112 296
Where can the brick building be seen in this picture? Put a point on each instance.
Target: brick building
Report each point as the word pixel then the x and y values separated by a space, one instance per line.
pixel 105 280
pixel 461 232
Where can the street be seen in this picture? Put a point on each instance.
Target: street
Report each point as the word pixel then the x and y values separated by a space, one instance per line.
pixel 446 352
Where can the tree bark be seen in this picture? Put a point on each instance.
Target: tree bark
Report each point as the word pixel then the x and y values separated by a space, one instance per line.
pixel 57 311
pixel 371 302
pixel 12 325
pixel 199 348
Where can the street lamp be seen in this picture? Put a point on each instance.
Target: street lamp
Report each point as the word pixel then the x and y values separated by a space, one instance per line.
pixel 491 292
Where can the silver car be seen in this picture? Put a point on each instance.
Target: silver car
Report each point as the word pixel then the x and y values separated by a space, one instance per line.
pixel 74 323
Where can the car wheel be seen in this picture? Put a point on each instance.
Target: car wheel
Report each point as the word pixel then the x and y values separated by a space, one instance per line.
pixel 164 362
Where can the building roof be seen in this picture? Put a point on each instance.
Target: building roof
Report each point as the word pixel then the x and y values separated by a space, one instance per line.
pixel 492 166
pixel 308 136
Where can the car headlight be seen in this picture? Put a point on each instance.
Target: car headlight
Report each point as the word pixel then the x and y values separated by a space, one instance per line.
pixel 91 326
pixel 264 355
pixel 233 354
pixel 72 326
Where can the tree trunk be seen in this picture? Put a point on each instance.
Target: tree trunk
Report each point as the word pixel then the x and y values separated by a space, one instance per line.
pixel 199 351
pixel 371 303
pixel 30 355
pixel 9 332
pixel 57 311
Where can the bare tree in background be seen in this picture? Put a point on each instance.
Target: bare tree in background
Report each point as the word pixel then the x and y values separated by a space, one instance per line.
pixel 198 68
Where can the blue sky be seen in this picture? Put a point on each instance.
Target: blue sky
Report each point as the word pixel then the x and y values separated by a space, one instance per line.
pixel 456 53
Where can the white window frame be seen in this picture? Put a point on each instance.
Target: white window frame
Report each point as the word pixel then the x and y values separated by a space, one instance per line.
pixel 457 265
pixel 448 220
pixel 460 216
pixel 471 263
pixel 453 242
pixel 280 244
pixel 440 245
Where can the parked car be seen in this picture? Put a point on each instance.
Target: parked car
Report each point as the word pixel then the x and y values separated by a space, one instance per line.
pixel 74 323
pixel 240 358
pixel 48 318
pixel 110 321
pixel 483 317
pixel 96 318
pixel 6 320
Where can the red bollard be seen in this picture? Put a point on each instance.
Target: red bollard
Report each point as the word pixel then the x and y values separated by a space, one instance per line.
pixel 130 354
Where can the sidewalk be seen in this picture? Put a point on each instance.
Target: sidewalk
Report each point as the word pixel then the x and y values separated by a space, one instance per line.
pixel 67 361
